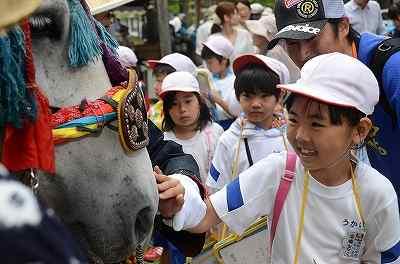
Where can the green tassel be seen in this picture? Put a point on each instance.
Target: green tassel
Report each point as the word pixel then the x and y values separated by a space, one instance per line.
pixel 15 103
pixel 106 37
pixel 84 45
pixel 26 99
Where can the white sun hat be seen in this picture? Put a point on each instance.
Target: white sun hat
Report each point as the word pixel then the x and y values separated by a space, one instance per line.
pixel 265 26
pixel 127 57
pixel 177 61
pixel 180 82
pixel 337 79
pixel 257 59
pixel 219 45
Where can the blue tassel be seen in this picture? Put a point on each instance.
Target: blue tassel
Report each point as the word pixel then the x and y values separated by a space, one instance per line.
pixel 26 99
pixel 15 101
pixel 84 45
pixel 106 37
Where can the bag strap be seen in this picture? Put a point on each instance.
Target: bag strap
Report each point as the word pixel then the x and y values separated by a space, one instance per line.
pixel 382 53
pixel 248 153
pixel 283 190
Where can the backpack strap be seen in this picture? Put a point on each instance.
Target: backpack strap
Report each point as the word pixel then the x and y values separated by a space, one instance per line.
pixel 382 53
pixel 248 154
pixel 283 190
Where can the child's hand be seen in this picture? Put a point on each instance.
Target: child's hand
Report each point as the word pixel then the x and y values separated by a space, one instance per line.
pixel 171 194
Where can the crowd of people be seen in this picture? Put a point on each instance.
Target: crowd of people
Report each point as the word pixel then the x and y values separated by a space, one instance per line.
pixel 302 102
pixel 303 79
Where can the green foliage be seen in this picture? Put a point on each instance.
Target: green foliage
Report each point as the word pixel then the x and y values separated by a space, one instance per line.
pixel 269 3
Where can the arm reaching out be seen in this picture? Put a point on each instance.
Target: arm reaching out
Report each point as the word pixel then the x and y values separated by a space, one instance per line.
pixel 210 219
pixel 180 198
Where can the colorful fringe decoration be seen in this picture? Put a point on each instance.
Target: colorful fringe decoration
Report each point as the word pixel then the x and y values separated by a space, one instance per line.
pixel 16 103
pixel 30 147
pixel 84 44
pixel 106 37
pixel 116 73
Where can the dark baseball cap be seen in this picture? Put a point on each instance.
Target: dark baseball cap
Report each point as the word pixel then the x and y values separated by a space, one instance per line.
pixel 303 19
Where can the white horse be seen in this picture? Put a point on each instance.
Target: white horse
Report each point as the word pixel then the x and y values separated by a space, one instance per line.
pixel 108 199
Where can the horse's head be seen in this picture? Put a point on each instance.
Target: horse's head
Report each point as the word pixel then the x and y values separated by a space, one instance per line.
pixel 108 199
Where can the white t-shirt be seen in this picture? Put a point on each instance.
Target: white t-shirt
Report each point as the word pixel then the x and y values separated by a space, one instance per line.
pixel 368 19
pixel 330 214
pixel 261 143
pixel 201 146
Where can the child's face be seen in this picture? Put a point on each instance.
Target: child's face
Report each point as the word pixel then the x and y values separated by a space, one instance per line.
pixel 317 142
pixel 185 110
pixel 157 85
pixel 258 108
pixel 215 66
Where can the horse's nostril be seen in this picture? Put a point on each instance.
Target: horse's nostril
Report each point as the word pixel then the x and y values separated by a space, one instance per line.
pixel 143 224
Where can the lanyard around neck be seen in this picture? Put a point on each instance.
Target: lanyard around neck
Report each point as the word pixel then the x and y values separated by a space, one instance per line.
pixel 306 184
pixel 353 50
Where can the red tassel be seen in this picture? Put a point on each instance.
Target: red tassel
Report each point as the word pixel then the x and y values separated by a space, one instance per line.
pixel 30 147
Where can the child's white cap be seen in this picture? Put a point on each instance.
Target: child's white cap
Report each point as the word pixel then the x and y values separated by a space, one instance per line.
pixel 177 61
pixel 219 45
pixel 127 57
pixel 256 8
pixel 265 27
pixel 251 59
pixel 180 82
pixel 338 79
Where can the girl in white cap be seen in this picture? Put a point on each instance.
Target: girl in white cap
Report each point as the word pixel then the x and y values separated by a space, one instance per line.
pixel 187 119
pixel 326 207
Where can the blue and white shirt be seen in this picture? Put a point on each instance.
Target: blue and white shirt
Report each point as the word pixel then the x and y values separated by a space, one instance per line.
pixel 261 143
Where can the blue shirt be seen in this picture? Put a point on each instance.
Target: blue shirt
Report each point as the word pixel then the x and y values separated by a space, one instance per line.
pixel 384 150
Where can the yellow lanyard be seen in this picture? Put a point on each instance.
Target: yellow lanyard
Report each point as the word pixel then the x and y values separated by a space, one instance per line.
pixel 300 229
pixel 353 50
pixel 301 224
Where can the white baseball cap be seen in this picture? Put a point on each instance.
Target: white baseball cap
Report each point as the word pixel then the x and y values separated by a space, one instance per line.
pixel 265 26
pixel 337 79
pixel 177 61
pixel 251 59
pixel 219 45
pixel 179 81
pixel 127 57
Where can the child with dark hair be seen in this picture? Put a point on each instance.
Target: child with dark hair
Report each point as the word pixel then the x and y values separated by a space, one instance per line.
pixel 161 68
pixel 252 136
pixel 325 205
pixel 216 53
pixel 187 119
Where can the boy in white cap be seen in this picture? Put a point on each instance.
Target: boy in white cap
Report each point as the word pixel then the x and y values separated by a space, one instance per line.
pixel 161 68
pixel 252 136
pixel 329 207
pixel 313 27
pixel 216 53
